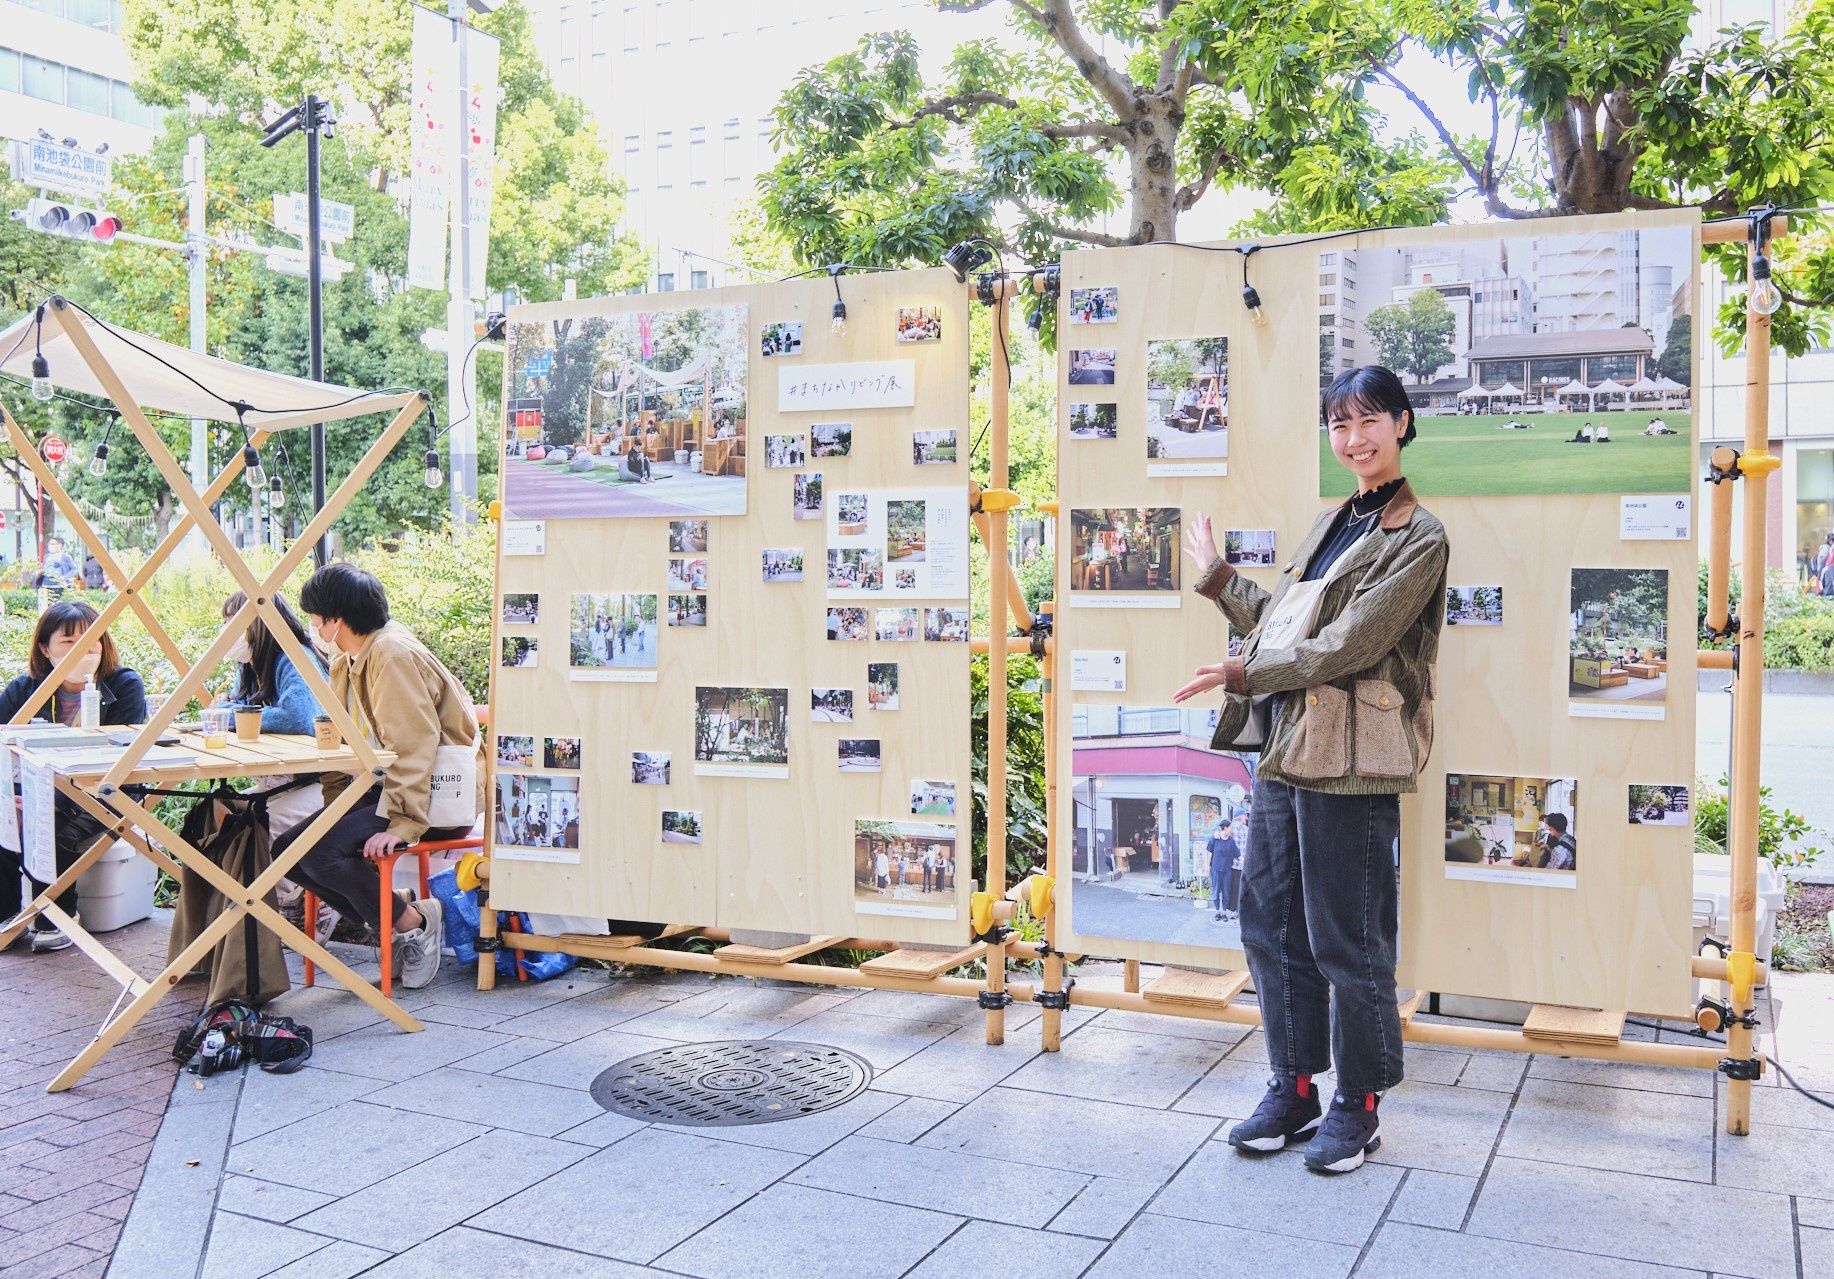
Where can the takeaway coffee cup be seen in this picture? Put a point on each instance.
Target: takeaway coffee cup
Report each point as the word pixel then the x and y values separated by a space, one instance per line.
pixel 248 722
pixel 327 733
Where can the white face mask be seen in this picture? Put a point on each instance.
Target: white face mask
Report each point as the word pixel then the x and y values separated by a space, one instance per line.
pixel 241 651
pixel 88 664
pixel 327 646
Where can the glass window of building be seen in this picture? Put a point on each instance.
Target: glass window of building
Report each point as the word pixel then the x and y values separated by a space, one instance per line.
pixel 1814 508
pixel 633 29
pixel 98 14
pixel 9 71
pixel 88 92
pixel 664 20
pixel 53 7
pixel 44 79
pixel 665 282
pixel 698 280
pixel 665 161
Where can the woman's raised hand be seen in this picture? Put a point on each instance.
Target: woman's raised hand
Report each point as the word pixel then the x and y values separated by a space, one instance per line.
pixel 1200 541
pixel 1208 677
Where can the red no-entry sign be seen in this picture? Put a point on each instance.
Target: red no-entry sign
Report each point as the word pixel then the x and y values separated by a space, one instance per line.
pixel 55 449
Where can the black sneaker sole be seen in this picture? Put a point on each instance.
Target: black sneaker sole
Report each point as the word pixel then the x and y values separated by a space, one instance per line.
pixel 1349 1163
pixel 1268 1146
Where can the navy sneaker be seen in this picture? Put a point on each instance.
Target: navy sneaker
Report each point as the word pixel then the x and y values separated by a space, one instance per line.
pixel 1351 1130
pixel 1289 1111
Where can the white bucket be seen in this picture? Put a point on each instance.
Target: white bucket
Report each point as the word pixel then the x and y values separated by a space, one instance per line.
pixel 117 890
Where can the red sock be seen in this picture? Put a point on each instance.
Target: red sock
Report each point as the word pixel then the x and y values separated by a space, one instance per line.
pixel 1302 1084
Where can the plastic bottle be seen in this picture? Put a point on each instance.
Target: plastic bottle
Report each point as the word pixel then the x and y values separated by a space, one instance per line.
pixel 89 710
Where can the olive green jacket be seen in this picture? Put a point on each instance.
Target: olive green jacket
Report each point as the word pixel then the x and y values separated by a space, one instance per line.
pixel 1355 704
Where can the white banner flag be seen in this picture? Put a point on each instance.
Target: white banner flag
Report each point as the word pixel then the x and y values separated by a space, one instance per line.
pixel 481 105
pixel 433 108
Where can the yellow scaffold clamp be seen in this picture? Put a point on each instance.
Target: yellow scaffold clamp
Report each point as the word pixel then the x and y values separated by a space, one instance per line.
pixel 980 912
pixel 1044 889
pixel 994 501
pixel 494 511
pixel 1755 466
pixel 466 872
pixel 1742 973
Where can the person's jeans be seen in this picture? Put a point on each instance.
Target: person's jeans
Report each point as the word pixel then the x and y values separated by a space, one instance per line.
pixel 1219 889
pixel 336 870
pixel 75 831
pixel 1320 913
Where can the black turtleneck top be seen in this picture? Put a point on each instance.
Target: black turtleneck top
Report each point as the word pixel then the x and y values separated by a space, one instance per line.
pixel 1354 519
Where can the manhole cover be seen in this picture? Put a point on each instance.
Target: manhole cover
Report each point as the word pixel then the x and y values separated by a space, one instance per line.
pixel 727 1084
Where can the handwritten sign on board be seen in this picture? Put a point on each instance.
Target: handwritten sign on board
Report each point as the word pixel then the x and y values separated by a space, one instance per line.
pixel 867 384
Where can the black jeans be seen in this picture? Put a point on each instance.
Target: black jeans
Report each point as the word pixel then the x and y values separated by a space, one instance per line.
pixel 1320 912
pixel 336 870
pixel 76 831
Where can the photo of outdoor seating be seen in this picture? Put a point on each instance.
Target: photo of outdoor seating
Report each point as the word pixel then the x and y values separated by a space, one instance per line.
pixel 1187 399
pixel 946 625
pixel 1159 826
pixel 627 414
pixel 904 868
pixel 831 705
pixel 882 686
pixel 858 755
pixel 521 610
pixel 1130 548
pixel 897 624
pixel 831 439
pixel 1093 422
pixel 680 827
pixel 919 324
pixel 1095 306
pixel 783 338
pixel 613 630
pixel 786 450
pixel 850 513
pixel 1248 547
pixel 649 768
pixel 687 610
pixel 783 564
pixel 933 448
pixel 855 569
pixel 516 751
pixel 1512 830
pixel 535 811
pixel 1474 606
pixel 688 536
pixel 1092 367
pixel 932 799
pixel 521 650
pixel 805 497
pixel 848 624
pixel 687 574
pixel 1618 645
pixel 904 531
pixel 560 752
pixel 1661 806
pixel 742 726
pixel 1538 363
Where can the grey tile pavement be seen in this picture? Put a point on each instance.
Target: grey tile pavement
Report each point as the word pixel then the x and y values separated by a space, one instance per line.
pixel 475 1147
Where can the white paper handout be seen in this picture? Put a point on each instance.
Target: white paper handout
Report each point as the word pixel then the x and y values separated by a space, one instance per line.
pixel 1656 517
pixel 897 544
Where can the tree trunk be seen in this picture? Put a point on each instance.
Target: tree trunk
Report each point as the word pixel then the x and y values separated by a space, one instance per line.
pixel 1152 152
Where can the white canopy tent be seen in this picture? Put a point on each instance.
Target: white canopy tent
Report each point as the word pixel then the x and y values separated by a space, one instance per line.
pixel 164 378
pixel 1474 392
pixel 1575 387
pixel 1610 390
pixel 1507 391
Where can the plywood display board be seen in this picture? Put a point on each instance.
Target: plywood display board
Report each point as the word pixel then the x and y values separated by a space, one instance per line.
pixel 653 637
pixel 1572 315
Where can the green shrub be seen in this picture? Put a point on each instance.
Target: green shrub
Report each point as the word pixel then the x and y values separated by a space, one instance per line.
pixel 1798 627
pixel 1793 950
pixel 1782 833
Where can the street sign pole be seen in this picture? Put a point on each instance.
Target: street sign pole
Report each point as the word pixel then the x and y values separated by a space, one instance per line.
pixel 315 285
pixel 460 389
pixel 197 209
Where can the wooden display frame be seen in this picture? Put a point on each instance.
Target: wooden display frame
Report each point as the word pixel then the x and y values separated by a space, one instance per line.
pixel 102 794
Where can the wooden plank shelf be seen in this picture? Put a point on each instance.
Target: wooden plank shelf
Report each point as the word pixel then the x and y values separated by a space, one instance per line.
pixel 1204 990
pixel 1577 1025
pixel 776 954
pixel 921 965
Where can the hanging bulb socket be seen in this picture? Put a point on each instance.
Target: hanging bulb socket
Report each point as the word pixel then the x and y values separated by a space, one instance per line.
pixel 840 318
pixel 251 463
pixel 42 390
pixel 1252 300
pixel 98 465
pixel 434 477
pixel 276 496
pixel 1763 297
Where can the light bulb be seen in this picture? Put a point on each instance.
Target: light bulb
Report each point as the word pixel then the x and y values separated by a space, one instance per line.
pixel 840 318
pixel 1252 300
pixel 42 390
pixel 275 497
pixel 98 465
pixel 251 462
pixel 1763 296
pixel 433 477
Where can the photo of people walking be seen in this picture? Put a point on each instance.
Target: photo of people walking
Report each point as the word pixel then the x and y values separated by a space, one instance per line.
pixel 904 868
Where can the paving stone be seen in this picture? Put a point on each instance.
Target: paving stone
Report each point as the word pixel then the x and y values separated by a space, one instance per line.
pixel 883 1041
pixel 330 1010
pixel 947 1181
pixel 420 1201
pixel 960 1066
pixel 1404 1251
pixel 371 1143
pixel 271 1102
pixel 794 1232
pixel 1652 1219
pixel 460 1015
pixel 336 1260
pixel 1673 1081
pixel 1121 1066
pixel 1227 1188
pixel 604 1130
pixel 1437 1199
pixel 1233 1088
pixel 577 1064
pixel 1104 1208
pixel 681 1182
pixel 1434 1067
pixel 913 1005
pixel 565 1020
pixel 735 1010
pixel 1493 1072
pixel 268 1200
pixel 241 1247
pixel 1785 1107
pixel 909 1119
pixel 385 1052
pixel 1444 1129
pixel 166 1230
pixel 1035 1254
pixel 468 1252
pixel 809 1134
pixel 513 1053
pixel 1815 1212
pixel 1172 1026
pixel 516 1104
pixel 1094 1137
pixel 1156 1247
pixel 1795 1161
pixel 1818 1252
pixel 1618 1129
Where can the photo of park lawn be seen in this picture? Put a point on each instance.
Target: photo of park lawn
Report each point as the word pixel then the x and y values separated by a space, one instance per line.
pixel 742 726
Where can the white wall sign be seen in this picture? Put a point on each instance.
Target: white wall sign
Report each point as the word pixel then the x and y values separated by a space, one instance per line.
pixel 868 384
pixel 887 545
pixel 1656 517
pixel 525 537
pixel 1098 670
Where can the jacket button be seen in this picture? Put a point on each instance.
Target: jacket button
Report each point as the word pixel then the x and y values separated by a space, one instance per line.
pixel 1384 701
pixel 1312 700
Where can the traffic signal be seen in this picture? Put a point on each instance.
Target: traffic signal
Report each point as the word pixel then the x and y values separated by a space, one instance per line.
pixel 55 217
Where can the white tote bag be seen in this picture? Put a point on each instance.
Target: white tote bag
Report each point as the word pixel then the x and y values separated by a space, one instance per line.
pixel 453 798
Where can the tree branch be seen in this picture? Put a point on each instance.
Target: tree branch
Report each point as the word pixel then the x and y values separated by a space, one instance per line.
pixel 1087 129
pixel 1101 239
pixel 1189 194
pixel 955 107
pixel 1057 19
pixel 1445 134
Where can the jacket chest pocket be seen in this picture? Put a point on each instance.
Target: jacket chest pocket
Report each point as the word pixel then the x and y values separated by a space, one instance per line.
pixel 1381 745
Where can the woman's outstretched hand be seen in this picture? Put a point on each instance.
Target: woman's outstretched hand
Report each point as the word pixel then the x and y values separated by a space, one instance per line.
pixel 1200 541
pixel 1208 677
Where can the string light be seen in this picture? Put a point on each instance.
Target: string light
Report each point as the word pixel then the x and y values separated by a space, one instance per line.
pixel 1763 297
pixel 42 390
pixel 839 326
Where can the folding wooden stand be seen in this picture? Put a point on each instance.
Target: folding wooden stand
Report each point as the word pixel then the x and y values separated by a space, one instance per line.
pixel 102 795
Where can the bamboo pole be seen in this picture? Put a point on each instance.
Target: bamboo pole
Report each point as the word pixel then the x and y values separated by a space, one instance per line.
pixel 1719 541
pixel 999 601
pixel 1051 1020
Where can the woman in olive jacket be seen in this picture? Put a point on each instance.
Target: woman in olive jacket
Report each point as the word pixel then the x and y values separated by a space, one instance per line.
pixel 1344 647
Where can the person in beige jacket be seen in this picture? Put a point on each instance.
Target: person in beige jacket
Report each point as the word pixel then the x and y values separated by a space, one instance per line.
pixel 406 703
